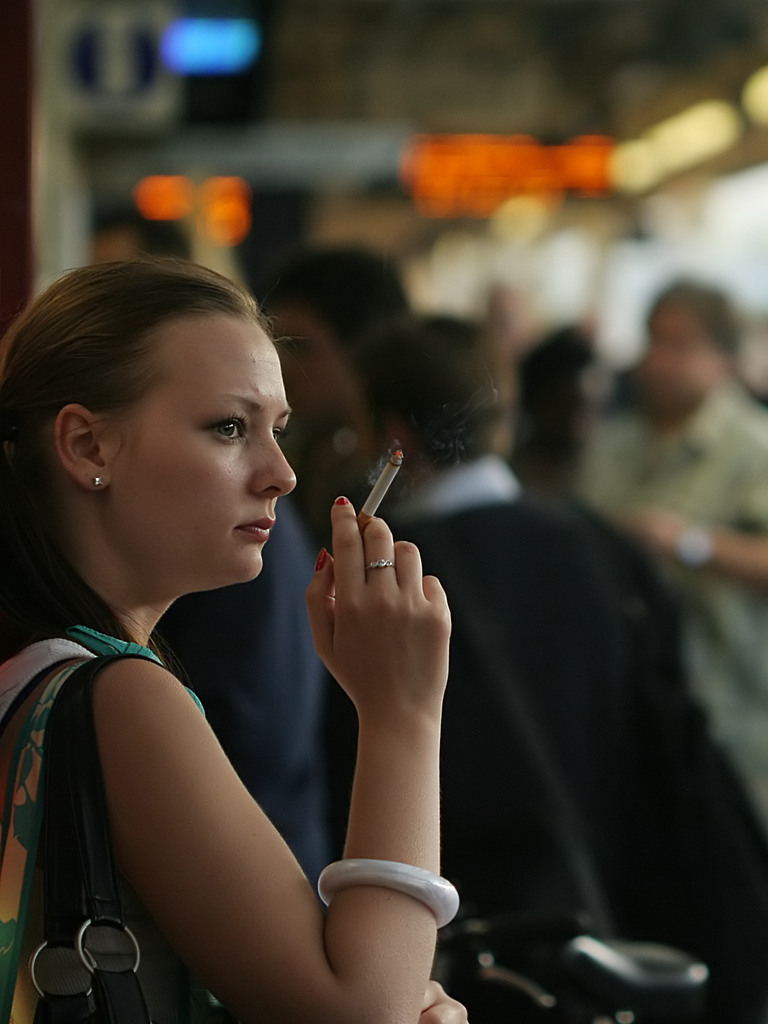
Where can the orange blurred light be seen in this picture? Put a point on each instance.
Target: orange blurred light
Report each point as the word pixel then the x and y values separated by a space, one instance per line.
pixel 164 197
pixel 225 210
pixel 472 175
pixel 585 164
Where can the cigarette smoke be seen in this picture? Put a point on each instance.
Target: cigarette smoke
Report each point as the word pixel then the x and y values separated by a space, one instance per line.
pixel 453 435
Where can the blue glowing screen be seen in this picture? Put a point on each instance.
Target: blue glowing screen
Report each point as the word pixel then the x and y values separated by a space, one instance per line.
pixel 210 46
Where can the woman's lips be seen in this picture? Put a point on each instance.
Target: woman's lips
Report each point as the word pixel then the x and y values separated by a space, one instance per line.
pixel 259 529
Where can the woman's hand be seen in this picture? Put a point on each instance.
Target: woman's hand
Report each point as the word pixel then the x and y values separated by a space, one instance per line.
pixel 381 631
pixel 439 1008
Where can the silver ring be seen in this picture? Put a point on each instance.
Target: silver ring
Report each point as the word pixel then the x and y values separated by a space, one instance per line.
pixel 33 971
pixel 381 563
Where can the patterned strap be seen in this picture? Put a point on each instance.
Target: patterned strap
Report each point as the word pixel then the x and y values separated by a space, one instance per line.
pixel 22 819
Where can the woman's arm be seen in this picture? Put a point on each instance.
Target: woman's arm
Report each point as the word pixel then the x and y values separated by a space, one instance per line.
pixel 213 872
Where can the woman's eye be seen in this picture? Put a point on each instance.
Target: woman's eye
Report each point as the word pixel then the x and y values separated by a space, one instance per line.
pixel 231 429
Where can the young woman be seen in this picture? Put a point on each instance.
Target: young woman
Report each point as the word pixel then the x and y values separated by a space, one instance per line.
pixel 141 405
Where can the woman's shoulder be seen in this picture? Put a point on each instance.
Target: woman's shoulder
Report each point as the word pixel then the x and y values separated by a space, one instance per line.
pixel 136 686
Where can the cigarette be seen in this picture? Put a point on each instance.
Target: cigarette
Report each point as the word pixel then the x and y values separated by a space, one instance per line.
pixel 380 488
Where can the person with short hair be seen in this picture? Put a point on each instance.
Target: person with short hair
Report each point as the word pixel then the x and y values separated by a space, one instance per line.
pixel 322 299
pixel 685 471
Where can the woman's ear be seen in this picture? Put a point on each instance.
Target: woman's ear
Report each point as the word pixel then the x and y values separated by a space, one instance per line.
pixel 84 444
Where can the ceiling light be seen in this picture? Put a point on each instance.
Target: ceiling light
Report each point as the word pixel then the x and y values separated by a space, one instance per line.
pixel 634 166
pixel 679 143
pixel 697 134
pixel 754 96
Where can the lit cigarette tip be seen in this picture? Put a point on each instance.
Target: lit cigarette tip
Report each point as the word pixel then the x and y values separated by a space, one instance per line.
pixel 382 485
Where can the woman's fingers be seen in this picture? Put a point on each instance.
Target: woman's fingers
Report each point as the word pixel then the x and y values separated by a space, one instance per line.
pixel 448 1012
pixel 372 556
pixel 380 562
pixel 439 1008
pixel 380 627
pixel 360 556
pixel 348 550
pixel 321 604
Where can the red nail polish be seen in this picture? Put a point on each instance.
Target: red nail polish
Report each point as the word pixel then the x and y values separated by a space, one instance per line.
pixel 322 558
pixel 341 501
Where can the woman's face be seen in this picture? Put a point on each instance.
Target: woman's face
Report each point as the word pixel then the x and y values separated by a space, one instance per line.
pixel 193 486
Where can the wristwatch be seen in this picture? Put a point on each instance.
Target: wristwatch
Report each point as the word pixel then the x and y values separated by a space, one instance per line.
pixel 694 546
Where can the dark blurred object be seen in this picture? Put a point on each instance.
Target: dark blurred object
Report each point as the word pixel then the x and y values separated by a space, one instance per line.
pixel 562 389
pixel 280 221
pixel 239 98
pixel 554 970
pixel 349 288
pixel 17 117
pixel 119 231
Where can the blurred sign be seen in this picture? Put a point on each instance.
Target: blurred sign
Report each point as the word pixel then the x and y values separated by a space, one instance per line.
pixel 112 77
pixel 221 205
pixel 472 175
pixel 164 197
pixel 225 210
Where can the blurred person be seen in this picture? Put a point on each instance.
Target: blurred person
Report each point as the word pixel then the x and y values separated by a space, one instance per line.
pixel 577 772
pixel 507 334
pixel 685 471
pixel 119 232
pixel 247 649
pixel 321 299
pixel 562 389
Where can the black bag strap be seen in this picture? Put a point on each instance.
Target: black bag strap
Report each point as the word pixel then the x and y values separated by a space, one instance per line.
pixel 69 736
pixel 80 878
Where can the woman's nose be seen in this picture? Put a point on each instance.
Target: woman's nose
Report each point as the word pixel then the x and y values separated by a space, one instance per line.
pixel 279 478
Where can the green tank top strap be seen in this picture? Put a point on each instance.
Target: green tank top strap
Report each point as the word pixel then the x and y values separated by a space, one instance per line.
pixel 101 643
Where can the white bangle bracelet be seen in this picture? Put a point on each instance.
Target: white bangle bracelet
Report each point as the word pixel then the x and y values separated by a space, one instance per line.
pixel 435 892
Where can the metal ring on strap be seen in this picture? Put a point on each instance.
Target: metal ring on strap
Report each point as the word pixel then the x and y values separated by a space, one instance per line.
pixel 87 957
pixel 33 971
